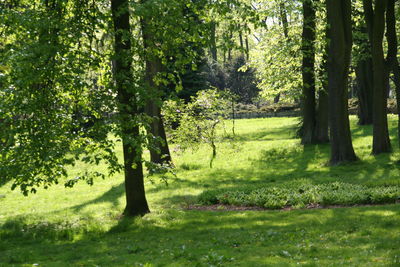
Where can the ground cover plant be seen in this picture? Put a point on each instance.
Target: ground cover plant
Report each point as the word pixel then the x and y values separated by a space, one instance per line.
pixel 301 194
pixel 82 226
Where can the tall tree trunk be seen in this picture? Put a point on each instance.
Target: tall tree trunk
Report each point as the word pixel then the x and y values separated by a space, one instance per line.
pixel 396 74
pixel 340 36
pixel 230 46
pixel 213 41
pixel 158 143
pixel 247 44
pixel 381 141
pixel 284 19
pixel 392 54
pixel 322 127
pixel 365 82
pixel 308 73
pixel 242 51
pixel 136 203
pixel 159 149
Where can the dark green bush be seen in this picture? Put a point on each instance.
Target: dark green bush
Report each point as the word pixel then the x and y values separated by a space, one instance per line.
pixel 300 194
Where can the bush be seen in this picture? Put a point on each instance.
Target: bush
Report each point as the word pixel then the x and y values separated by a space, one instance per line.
pixel 300 194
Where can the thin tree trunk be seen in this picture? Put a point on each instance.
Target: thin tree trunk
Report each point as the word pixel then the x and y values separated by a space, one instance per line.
pixel 158 143
pixel 159 149
pixel 322 127
pixel 381 141
pixel 340 36
pixel 392 55
pixel 396 74
pixel 308 73
pixel 213 41
pixel 247 44
pixel 136 203
pixel 230 45
pixel 364 76
pixel 241 42
pixel 284 19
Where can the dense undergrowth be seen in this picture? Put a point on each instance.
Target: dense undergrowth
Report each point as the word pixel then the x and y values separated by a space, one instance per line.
pixel 301 194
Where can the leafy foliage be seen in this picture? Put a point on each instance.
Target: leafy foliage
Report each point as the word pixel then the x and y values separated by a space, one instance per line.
pixel 198 121
pixel 277 57
pixel 49 78
pixel 58 101
pixel 301 194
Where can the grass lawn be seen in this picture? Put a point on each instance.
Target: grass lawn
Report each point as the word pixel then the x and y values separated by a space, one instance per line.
pixel 82 226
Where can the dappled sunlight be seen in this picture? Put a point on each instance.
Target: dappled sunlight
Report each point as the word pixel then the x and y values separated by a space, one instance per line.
pixel 83 215
pixel 385 213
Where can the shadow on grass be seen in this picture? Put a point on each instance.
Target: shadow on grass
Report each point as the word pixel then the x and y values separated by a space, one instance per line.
pixel 281 133
pixel 110 196
pixel 346 236
pixel 285 164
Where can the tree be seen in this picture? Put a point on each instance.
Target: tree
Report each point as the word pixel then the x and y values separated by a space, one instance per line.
pixel 392 47
pixel 48 79
pixel 363 65
pixel 198 121
pixel 136 203
pixel 308 73
pixel 277 56
pixel 158 144
pixel 340 35
pixel 381 141
pixel 322 120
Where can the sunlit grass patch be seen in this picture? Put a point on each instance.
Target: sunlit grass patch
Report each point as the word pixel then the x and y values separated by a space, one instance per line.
pixel 82 226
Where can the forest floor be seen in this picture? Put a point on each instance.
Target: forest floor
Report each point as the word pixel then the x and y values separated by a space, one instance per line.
pixel 82 226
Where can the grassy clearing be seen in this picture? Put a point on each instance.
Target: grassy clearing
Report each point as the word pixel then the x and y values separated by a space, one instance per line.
pixel 81 226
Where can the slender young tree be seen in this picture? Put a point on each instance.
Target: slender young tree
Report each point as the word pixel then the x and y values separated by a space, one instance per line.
pixel 340 36
pixel 308 73
pixel 129 110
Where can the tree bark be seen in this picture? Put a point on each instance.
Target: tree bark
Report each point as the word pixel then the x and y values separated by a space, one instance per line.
pixel 284 19
pixel 159 149
pixel 392 54
pixel 365 82
pixel 213 41
pixel 322 127
pixel 242 51
pixel 158 143
pixel 308 73
pixel 381 141
pixel 247 43
pixel 136 203
pixel 230 46
pixel 340 36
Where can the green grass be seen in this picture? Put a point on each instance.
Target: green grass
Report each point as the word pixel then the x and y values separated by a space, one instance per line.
pixel 82 226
